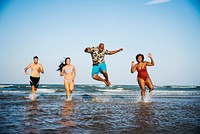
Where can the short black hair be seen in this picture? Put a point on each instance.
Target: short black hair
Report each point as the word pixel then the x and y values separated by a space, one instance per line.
pixel 101 44
pixel 138 56
pixel 35 57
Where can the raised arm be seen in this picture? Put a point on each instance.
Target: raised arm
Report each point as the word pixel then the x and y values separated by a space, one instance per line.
pixel 88 50
pixel 26 68
pixel 133 67
pixel 115 51
pixel 152 61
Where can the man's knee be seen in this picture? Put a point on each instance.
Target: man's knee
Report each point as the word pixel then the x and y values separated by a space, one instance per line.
pixel 94 76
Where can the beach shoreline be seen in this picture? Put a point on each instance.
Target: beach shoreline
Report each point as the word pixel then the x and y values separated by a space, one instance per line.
pixel 95 111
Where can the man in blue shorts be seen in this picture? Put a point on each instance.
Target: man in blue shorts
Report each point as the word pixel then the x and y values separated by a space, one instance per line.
pixel 99 65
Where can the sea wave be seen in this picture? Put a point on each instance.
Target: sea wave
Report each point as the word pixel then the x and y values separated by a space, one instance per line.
pixel 177 87
pixel 4 86
pixel 14 91
pixel 184 86
pixel 45 90
pixel 175 92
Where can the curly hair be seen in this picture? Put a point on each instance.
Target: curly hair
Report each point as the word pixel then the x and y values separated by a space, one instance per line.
pixel 138 56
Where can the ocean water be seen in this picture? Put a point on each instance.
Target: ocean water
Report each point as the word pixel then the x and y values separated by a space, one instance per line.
pixel 99 109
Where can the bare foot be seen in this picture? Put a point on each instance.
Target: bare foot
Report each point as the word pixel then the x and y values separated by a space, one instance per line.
pixel 142 99
pixel 71 91
pixel 69 100
pixel 150 90
pixel 108 83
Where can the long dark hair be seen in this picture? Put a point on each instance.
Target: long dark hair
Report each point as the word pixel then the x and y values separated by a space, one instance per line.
pixel 62 64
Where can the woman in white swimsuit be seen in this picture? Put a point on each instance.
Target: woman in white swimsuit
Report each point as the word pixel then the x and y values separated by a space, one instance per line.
pixel 69 72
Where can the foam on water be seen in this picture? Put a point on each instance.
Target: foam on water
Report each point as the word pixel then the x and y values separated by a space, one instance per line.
pixel 4 86
pixel 14 91
pixel 32 96
pixel 45 90
pixel 175 92
pixel 183 87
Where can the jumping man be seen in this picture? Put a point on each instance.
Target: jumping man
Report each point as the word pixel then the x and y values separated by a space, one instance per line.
pixel 99 65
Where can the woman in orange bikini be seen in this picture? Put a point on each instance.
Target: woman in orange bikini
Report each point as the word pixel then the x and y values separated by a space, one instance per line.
pixel 143 76
pixel 68 71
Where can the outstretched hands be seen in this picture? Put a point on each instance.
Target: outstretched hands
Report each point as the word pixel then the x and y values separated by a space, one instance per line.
pixel 150 55
pixel 121 49
pixel 132 63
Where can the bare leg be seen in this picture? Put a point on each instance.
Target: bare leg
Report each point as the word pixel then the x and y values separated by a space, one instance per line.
pixel 71 87
pixel 33 89
pixel 141 83
pixel 67 88
pixel 149 84
pixel 96 77
pixel 105 74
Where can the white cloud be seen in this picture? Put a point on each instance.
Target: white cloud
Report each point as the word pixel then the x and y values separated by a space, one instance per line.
pixel 156 2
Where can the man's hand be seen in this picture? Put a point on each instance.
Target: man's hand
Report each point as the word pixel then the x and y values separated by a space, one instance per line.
pixel 88 49
pixel 121 49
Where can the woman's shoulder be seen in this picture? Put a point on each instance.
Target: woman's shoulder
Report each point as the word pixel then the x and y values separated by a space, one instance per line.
pixel 72 66
pixel 65 66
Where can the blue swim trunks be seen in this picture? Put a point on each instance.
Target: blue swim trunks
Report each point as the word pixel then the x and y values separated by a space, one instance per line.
pixel 99 68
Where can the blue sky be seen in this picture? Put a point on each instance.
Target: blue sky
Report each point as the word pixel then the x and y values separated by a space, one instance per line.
pixel 54 29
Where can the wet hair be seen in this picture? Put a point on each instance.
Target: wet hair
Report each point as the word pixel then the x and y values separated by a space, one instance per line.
pixel 138 56
pixel 62 64
pixel 35 57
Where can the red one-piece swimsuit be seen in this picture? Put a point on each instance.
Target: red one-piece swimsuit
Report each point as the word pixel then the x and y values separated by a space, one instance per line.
pixel 142 73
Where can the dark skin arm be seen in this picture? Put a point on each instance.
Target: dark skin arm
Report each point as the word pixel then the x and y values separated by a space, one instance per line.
pixel 115 51
pixel 133 67
pixel 87 50
pixel 152 61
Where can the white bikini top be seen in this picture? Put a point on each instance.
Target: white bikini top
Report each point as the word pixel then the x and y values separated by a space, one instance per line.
pixel 68 70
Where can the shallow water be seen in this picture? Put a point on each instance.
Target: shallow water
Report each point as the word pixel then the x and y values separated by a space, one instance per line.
pixel 94 111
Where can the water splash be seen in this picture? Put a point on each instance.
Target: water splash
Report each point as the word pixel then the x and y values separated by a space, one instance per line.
pixel 33 97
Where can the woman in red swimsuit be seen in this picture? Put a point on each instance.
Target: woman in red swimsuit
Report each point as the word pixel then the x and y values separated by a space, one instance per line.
pixel 143 76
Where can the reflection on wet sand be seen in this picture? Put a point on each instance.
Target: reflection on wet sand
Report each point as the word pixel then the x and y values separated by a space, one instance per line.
pixel 65 114
pixel 31 120
pixel 144 117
